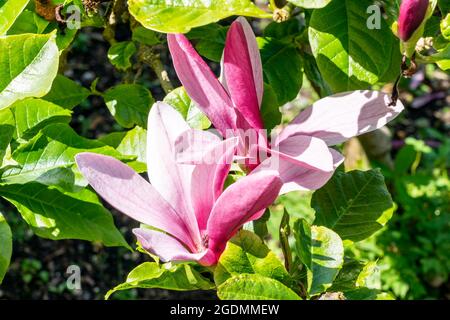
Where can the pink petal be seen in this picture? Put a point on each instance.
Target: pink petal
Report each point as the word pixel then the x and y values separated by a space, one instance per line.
pixel 306 151
pixel 208 179
pixel 337 118
pixel 242 70
pixel 297 177
pixel 129 193
pixel 238 204
pixel 171 179
pixel 201 84
pixel 191 145
pixel 164 246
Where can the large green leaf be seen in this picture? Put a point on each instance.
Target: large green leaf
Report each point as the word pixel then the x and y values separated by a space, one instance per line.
pixel 310 4
pixel 367 294
pixel 129 104
pixel 353 274
pixel 270 108
pixel 350 55
pixel 282 67
pixel 28 65
pixel 353 204
pixel 254 287
pixel 9 11
pixel 180 277
pixel 321 251
pixel 66 92
pixel 246 253
pixel 7 124
pixel 209 40
pixel 48 158
pixel 28 22
pixel 32 114
pixel 180 100
pixel 130 143
pixel 180 16
pixel 5 247
pixel 56 215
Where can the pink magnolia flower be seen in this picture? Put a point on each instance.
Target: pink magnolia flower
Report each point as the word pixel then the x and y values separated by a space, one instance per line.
pixel 304 158
pixel 190 215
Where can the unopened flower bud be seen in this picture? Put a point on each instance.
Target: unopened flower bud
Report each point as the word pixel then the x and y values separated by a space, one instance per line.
pixel 412 13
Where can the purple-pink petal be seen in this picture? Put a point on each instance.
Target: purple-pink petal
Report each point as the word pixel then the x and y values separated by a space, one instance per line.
pixel 337 118
pixel 201 84
pixel 242 70
pixel 238 204
pixel 131 194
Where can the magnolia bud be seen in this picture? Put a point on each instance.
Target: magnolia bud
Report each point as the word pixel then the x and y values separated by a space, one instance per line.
pixel 412 13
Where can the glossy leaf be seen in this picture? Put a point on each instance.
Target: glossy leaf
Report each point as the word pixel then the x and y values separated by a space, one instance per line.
pixel 9 11
pixel 28 22
pixel 130 143
pixel 56 215
pixel 310 4
pixel 129 104
pixel 5 247
pixel 180 277
pixel 246 253
pixel 7 124
pixel 179 99
pixel 254 287
pixel 209 40
pixel 350 55
pixel 120 54
pixel 48 158
pixel 28 65
pixel 32 114
pixel 282 68
pixel 66 92
pixel 354 204
pixel 321 251
pixel 180 16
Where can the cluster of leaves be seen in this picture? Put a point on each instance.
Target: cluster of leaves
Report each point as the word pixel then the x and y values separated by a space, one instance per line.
pixel 39 177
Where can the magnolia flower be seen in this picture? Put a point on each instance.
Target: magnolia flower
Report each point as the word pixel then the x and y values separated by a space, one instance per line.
pixel 190 216
pixel 412 14
pixel 301 153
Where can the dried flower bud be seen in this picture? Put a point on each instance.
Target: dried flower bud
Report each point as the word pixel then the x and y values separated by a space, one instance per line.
pixel 412 13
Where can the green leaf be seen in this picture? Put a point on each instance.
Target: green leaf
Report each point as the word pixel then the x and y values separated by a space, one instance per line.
pixel 351 56
pixel 254 287
pixel 28 22
pixel 130 143
pixel 7 124
pixel 246 253
pixel 282 68
pixel 310 4
pixel 48 158
pixel 180 16
pixel 5 248
pixel 28 65
pixel 353 274
pixel 60 215
pixel 270 108
pixel 321 251
pixel 367 294
pixel 129 104
pixel 210 40
pixel 354 204
pixel 180 277
pixel 33 114
pixel 145 36
pixel 179 99
pixel 120 54
pixel 9 11
pixel 66 92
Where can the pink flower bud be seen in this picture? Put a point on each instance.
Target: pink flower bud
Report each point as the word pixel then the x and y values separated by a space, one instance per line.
pixel 412 13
